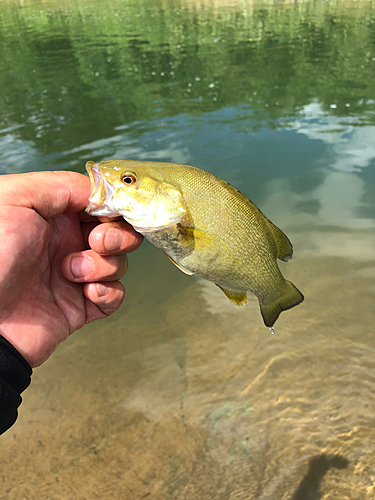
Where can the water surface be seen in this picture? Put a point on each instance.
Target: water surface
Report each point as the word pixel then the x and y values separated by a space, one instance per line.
pixel 181 395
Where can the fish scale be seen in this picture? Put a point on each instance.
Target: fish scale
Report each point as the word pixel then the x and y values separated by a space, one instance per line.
pixel 205 226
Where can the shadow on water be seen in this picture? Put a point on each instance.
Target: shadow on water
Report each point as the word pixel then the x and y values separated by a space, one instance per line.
pixel 309 487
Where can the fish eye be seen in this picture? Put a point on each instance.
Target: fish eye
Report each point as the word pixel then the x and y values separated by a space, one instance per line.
pixel 128 178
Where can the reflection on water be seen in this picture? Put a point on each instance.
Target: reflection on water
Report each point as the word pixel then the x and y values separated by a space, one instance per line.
pixel 182 395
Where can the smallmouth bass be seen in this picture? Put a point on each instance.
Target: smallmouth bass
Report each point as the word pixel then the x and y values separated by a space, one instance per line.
pixel 205 226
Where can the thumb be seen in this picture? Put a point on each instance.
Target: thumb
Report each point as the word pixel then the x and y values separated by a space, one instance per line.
pixel 48 193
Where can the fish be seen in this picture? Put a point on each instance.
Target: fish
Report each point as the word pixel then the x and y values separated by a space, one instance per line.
pixel 204 225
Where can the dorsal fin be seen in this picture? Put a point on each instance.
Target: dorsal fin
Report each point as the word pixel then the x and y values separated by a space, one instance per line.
pixel 283 245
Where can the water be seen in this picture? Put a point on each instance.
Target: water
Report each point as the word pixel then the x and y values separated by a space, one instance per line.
pixel 181 395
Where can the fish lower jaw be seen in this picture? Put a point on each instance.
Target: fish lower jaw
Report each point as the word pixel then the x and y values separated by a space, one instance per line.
pixel 100 210
pixel 151 229
pixel 149 226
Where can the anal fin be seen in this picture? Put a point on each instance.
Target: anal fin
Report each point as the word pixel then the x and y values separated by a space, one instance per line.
pixel 238 298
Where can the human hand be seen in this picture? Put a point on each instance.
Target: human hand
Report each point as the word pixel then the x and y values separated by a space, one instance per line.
pixel 59 267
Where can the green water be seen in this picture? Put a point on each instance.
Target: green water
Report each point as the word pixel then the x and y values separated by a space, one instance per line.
pixel 181 395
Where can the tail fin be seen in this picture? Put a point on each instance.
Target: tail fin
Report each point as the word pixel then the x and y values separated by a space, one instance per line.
pixel 291 297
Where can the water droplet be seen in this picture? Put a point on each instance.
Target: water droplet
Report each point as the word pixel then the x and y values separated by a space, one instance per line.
pixel 271 330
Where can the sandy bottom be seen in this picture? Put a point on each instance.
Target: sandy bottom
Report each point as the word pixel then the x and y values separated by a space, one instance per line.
pixel 183 396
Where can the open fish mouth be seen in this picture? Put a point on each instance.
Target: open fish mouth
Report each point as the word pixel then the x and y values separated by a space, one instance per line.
pixel 101 197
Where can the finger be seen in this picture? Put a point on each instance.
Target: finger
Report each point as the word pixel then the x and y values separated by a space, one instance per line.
pixel 87 266
pixel 48 193
pixel 111 238
pixel 86 228
pixel 103 299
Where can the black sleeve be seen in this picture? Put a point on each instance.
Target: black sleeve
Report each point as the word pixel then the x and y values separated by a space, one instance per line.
pixel 15 376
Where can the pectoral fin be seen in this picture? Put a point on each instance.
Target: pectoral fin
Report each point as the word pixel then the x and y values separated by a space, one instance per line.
pixel 178 265
pixel 238 298
pixel 188 236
